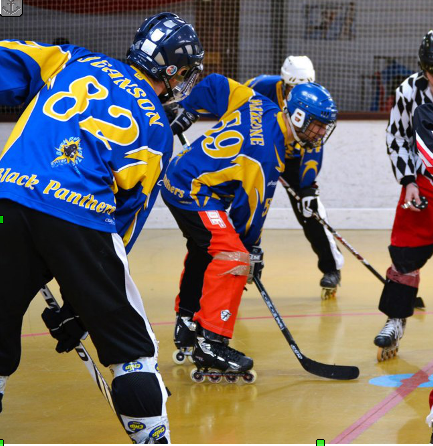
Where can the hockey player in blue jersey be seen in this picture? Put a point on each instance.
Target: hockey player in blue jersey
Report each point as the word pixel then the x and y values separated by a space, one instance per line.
pixel 78 177
pixel 303 164
pixel 219 191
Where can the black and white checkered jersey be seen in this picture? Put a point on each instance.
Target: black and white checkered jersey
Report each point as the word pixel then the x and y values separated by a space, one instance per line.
pixel 406 164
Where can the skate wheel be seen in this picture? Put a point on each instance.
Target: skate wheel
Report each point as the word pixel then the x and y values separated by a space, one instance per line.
pixel 215 377
pixel 328 293
pixel 178 357
pixel 384 354
pixel 232 378
pixel 190 359
pixel 249 377
pixel 197 376
pixel 380 353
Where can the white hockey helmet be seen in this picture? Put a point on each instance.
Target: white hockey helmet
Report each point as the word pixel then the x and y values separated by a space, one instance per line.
pixel 297 70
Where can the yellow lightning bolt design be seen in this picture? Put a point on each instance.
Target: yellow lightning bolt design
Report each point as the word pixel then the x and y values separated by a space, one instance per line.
pixel 281 166
pixel 244 169
pixel 146 170
pixel 312 164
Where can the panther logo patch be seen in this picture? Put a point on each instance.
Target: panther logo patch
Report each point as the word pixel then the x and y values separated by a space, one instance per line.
pixel 69 152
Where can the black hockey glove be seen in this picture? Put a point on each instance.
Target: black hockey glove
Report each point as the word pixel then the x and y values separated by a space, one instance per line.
pixel 256 263
pixel 171 111
pixel 180 120
pixel 64 326
pixel 308 203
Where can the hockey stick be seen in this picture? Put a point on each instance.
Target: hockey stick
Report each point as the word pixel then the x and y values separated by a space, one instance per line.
pixel 83 354
pixel 343 372
pixel 419 303
pixel 184 141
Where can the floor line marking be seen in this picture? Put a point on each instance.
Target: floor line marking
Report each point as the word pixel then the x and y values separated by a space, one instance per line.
pixel 289 316
pixel 381 409
pixel 34 334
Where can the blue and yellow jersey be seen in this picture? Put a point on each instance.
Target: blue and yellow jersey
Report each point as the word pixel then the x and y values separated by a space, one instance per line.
pixel 235 164
pixel 92 143
pixel 269 86
pixel 311 159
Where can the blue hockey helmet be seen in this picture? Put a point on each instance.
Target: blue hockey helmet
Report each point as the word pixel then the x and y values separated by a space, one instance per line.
pixel 312 113
pixel 167 47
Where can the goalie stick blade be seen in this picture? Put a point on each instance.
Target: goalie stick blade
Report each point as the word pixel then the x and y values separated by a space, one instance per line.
pixel 341 372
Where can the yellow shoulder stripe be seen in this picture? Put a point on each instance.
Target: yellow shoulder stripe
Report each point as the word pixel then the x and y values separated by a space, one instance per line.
pixel 50 59
pixel 239 95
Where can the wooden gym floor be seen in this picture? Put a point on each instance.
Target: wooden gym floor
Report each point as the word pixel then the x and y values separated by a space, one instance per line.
pixel 52 399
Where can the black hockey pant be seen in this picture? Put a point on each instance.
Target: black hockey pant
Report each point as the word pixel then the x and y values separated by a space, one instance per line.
pixel 321 240
pixel 92 271
pixel 398 299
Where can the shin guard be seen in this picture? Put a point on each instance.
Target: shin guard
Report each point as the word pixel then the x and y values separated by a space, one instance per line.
pixel 399 293
pixel 140 397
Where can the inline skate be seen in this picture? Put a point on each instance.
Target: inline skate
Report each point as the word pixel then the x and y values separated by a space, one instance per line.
pixel 388 339
pixel 329 284
pixel 184 338
pixel 216 360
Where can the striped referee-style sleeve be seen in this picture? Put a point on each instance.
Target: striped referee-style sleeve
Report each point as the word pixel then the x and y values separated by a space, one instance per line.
pixel 399 135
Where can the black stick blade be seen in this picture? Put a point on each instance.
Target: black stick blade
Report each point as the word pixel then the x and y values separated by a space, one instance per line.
pixel 342 372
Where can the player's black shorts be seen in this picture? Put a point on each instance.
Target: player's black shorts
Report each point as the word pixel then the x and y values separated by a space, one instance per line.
pixel 92 271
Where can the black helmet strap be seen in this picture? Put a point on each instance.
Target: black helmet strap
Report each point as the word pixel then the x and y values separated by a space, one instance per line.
pixel 164 97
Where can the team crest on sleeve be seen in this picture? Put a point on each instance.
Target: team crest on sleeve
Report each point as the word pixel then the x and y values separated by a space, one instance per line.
pixel 69 152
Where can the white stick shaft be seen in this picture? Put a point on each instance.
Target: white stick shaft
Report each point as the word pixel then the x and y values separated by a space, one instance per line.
pixel 83 354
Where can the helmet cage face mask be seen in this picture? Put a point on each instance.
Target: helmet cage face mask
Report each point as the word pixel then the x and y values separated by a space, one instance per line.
pixel 308 129
pixel 185 85
pixel 312 132
pixel 311 113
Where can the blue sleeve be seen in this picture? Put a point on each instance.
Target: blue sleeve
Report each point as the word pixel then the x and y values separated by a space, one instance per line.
pixel 268 86
pixel 311 164
pixel 25 67
pixel 210 97
pixel 15 84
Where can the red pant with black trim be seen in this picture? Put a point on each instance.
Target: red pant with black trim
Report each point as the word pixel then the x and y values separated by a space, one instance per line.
pixel 411 247
pixel 215 269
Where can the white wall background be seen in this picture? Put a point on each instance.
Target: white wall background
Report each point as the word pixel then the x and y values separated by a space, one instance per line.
pixel 356 182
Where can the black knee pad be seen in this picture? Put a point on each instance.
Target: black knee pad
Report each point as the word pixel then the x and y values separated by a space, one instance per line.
pixel 397 300
pixel 410 259
pixel 137 394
